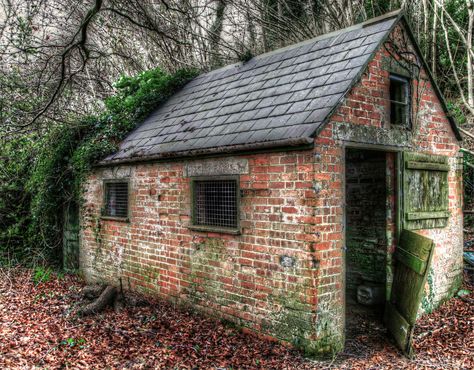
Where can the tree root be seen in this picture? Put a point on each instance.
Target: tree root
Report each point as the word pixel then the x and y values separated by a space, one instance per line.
pixel 119 302
pixel 102 296
pixel 105 298
pixel 92 291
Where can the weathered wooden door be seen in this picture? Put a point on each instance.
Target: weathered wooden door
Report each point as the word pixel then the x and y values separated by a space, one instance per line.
pixel 424 205
pixel 413 259
pixel 71 237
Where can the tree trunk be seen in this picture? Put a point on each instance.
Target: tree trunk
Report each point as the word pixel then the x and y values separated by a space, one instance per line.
pixel 470 77
pixel 215 34
pixel 433 40
pixel 425 26
pixel 252 43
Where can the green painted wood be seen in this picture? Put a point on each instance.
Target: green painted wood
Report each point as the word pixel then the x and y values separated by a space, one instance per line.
pixel 399 197
pixel 426 215
pixel 407 288
pixel 410 260
pixel 411 165
pixel 71 237
pixel 397 325
pixel 425 191
pixel 421 157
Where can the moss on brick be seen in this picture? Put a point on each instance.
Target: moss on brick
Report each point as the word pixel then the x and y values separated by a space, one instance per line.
pixel 290 319
pixel 298 323
pixel 428 300
pixel 209 249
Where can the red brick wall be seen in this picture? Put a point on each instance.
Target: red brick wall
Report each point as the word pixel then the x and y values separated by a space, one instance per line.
pixel 292 205
pixel 238 276
pixel 368 105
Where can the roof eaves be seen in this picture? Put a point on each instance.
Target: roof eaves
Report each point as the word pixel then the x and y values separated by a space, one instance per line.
pixel 266 146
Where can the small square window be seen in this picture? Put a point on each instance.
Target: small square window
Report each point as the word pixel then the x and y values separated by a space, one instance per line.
pixel 215 204
pixel 115 199
pixel 399 100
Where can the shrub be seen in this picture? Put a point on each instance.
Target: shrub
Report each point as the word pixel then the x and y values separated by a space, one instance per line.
pixel 39 175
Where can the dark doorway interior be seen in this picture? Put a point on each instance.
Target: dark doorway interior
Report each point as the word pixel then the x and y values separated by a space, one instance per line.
pixel 366 240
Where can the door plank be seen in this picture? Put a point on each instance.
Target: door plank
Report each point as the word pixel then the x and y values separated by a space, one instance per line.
pixel 410 261
pixel 412 165
pixel 397 325
pixel 413 216
pixel 413 256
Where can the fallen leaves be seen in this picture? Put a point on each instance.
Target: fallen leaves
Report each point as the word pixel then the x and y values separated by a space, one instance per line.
pixel 449 331
pixel 39 329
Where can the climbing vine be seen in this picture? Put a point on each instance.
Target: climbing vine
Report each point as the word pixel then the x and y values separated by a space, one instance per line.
pixel 39 175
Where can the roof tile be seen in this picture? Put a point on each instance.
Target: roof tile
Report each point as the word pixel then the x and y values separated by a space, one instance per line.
pixel 285 94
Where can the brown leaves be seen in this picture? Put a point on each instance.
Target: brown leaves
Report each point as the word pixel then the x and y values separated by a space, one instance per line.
pixel 448 333
pixel 38 328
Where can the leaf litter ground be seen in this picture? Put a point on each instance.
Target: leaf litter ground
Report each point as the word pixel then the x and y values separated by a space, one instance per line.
pixel 40 330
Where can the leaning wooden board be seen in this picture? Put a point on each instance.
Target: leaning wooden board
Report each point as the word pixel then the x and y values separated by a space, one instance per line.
pixel 413 259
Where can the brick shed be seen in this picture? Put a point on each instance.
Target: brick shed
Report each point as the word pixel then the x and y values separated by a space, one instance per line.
pixel 288 192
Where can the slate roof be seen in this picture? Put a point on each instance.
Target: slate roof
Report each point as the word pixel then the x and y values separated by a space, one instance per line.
pixel 280 98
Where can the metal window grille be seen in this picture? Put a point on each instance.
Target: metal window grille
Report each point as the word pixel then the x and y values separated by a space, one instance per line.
pixel 399 100
pixel 116 199
pixel 215 203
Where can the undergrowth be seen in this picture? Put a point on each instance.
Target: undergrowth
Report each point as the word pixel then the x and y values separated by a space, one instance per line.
pixel 40 174
pixel 41 275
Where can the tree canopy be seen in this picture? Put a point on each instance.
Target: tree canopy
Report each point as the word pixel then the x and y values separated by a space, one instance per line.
pixel 61 109
pixel 60 58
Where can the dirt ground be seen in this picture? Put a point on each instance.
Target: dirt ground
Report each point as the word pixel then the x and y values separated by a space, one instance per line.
pixel 39 329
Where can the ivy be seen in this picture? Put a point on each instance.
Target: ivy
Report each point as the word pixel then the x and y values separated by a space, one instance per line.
pixel 40 175
pixel 15 166
pixel 460 117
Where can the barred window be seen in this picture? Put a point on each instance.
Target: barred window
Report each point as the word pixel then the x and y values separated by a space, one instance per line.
pixel 116 199
pixel 215 203
pixel 399 100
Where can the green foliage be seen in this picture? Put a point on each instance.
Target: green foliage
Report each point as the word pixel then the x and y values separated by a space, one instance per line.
pixel 41 275
pixel 468 177
pixel 40 175
pixel 16 161
pixel 246 56
pixel 72 342
pixel 456 110
pixel 458 11
pixel 375 8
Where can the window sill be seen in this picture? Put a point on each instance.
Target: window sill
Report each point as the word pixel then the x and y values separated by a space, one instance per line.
pixel 113 218
pixel 401 126
pixel 215 229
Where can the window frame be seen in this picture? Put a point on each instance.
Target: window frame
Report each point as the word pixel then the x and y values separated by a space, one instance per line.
pixel 210 228
pixel 407 82
pixel 105 182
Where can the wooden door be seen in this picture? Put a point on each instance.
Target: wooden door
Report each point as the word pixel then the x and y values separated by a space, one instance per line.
pixel 71 237
pixel 413 259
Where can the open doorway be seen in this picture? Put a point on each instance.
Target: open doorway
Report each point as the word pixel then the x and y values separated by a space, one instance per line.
pixel 366 225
